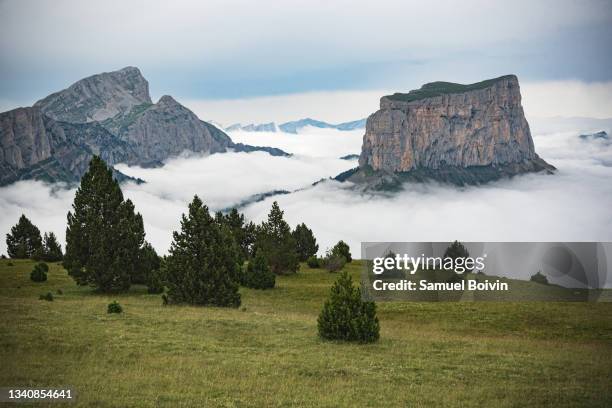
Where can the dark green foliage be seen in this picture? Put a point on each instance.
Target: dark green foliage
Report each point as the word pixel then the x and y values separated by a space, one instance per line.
pixel 277 244
pixel 24 240
pixel 306 243
pixel 346 317
pixel 155 279
pixel 52 251
pixel 114 307
pixel 539 277
pixel 240 230
pixel 313 262
pixel 48 297
pixel 342 249
pixel 202 268
pixel 104 234
pixel 148 262
pixel 60 292
pixel 258 274
pixel 441 88
pixel 456 250
pixel 39 272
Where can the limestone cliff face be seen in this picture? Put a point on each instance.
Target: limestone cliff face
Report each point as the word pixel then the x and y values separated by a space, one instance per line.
pixel 110 115
pixel 167 129
pixel 443 126
pixel 98 97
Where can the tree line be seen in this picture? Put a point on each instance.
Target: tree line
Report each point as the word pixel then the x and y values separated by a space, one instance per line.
pixel 210 257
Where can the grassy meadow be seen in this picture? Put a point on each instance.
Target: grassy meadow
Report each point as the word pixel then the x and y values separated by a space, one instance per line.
pixel 267 352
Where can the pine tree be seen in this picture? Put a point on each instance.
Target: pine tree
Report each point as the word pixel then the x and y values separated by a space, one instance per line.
pixel 202 268
pixel 258 274
pixel 148 263
pixel 305 242
pixel 24 240
pixel 104 234
pixel 456 250
pixel 346 317
pixel 342 249
pixel 236 224
pixel 277 244
pixel 52 251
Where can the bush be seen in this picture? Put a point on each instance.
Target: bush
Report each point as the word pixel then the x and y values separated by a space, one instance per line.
pixel 342 249
pixel 334 262
pixel 48 297
pixel 346 317
pixel 9 264
pixel 39 273
pixel 114 308
pixel 313 262
pixel 258 274
pixel 539 277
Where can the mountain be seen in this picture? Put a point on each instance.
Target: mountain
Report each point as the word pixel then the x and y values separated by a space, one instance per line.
pixel 452 133
pixel 600 136
pixel 295 126
pixel 263 127
pixel 111 115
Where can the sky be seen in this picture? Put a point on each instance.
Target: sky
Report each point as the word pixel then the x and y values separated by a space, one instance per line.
pixel 268 54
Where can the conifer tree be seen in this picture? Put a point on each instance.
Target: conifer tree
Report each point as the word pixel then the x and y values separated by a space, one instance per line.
pixel 305 241
pixel 52 251
pixel 456 250
pixel 104 234
pixel 258 274
pixel 345 316
pixel 277 244
pixel 148 263
pixel 342 249
pixel 202 267
pixel 24 240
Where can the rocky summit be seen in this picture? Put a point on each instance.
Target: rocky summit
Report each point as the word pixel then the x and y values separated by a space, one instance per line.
pixel 110 115
pixel 447 132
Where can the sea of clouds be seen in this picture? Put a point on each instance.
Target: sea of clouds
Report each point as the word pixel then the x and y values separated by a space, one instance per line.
pixel 572 205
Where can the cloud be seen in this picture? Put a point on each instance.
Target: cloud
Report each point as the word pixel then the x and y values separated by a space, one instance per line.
pixel 540 99
pixel 571 205
pixel 221 49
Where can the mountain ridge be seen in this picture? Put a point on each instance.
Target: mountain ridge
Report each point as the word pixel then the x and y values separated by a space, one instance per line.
pixel 111 115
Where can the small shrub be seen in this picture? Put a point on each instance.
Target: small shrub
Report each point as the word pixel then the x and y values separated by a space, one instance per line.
pixel 258 274
pixel 313 262
pixel 346 317
pixel 39 273
pixel 48 297
pixel 9 264
pixel 114 307
pixel 539 277
pixel 333 261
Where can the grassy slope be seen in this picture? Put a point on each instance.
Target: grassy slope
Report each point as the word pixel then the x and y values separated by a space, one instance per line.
pixel 430 354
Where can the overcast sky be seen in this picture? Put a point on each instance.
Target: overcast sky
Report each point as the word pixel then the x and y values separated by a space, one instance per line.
pixel 218 50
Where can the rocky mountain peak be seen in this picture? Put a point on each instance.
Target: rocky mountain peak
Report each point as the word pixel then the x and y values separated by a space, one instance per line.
pixel 98 97
pixel 463 134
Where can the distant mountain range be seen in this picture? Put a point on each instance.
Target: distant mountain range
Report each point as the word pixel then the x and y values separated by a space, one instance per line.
pixel 296 125
pixel 110 115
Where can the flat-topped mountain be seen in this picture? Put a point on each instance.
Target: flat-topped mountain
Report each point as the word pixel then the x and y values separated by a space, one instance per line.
pixel 459 134
pixel 110 115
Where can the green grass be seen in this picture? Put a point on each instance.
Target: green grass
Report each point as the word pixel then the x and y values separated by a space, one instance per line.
pixel 439 88
pixel 430 354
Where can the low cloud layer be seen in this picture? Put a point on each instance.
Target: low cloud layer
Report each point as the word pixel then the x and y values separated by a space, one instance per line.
pixel 572 205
